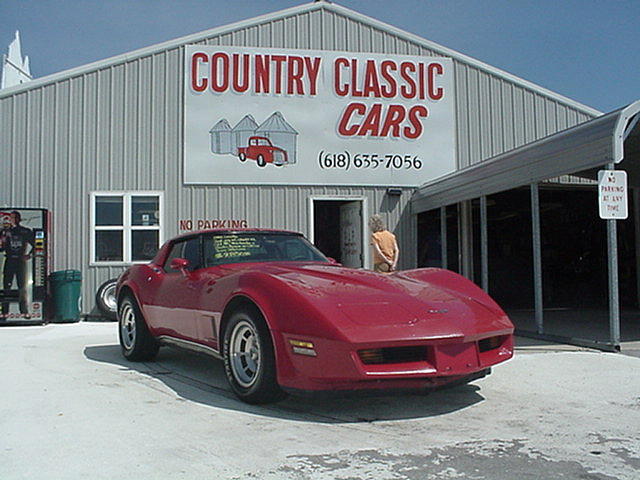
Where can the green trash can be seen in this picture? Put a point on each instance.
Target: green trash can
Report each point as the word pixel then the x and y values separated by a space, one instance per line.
pixel 65 295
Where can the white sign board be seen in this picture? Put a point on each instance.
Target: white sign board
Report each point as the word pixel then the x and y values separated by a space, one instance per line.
pixel 612 194
pixel 275 116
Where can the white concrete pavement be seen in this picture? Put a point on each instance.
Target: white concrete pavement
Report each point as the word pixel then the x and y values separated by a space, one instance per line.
pixel 71 407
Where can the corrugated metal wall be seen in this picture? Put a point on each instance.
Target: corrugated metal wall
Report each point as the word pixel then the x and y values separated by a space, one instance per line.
pixel 119 127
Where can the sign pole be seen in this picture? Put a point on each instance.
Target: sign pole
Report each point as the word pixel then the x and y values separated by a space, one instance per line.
pixel 614 293
pixel 537 258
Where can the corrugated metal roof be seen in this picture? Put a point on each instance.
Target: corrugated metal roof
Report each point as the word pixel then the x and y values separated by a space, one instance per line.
pixel 282 14
pixel 577 150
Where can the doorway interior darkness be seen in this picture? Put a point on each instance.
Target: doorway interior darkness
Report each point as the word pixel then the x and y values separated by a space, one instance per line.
pixel 337 230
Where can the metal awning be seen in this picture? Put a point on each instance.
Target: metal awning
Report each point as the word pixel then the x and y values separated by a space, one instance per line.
pixel 580 150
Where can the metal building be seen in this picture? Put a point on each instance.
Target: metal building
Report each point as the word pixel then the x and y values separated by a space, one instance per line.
pixel 102 146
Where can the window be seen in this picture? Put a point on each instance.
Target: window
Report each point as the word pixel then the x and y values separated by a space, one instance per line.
pixel 126 227
pixel 189 250
pixel 176 252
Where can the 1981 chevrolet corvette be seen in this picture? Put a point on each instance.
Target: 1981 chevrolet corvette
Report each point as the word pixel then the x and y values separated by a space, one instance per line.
pixel 284 318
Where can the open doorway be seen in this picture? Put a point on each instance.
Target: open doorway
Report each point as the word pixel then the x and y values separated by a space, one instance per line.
pixel 338 229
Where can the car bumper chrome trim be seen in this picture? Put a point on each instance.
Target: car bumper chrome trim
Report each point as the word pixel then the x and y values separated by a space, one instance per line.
pixel 188 345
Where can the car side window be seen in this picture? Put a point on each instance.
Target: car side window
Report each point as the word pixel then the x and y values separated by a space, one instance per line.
pixel 192 253
pixel 176 252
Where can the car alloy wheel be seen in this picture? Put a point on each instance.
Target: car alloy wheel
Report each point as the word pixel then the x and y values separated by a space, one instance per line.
pixel 244 350
pixel 135 338
pixel 128 326
pixel 261 161
pixel 249 360
pixel 242 156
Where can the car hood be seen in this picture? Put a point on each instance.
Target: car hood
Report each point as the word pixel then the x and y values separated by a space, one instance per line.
pixel 364 298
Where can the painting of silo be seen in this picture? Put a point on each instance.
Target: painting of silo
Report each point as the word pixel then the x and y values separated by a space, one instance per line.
pixel 240 134
pixel 281 134
pixel 221 137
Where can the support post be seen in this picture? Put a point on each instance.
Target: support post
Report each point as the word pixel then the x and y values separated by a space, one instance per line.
pixel 537 258
pixel 443 237
pixel 484 249
pixel 636 226
pixel 465 239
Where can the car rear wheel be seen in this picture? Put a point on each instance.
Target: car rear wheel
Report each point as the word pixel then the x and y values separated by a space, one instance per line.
pixel 261 161
pixel 242 156
pixel 249 360
pixel 136 342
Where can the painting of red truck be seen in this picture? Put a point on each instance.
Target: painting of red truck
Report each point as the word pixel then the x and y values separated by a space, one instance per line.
pixel 262 151
pixel 274 141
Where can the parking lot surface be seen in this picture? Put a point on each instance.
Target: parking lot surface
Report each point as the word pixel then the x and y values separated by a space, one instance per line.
pixel 71 407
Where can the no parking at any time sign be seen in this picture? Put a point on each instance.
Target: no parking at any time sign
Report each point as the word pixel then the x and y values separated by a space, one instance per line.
pixel 612 194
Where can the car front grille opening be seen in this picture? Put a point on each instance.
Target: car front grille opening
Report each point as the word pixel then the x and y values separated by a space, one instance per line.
pixel 490 343
pixel 378 356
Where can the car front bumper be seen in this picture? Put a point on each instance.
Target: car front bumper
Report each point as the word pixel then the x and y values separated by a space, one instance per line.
pixel 416 364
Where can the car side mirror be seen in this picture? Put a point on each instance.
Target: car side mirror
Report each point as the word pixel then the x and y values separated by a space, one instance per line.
pixel 181 264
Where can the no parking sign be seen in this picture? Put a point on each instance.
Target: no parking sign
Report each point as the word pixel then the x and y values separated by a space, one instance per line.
pixel 612 194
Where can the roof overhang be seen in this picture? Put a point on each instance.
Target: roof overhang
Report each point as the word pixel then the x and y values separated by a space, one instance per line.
pixel 580 151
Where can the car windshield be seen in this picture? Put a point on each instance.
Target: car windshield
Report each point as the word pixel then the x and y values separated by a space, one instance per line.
pixel 258 247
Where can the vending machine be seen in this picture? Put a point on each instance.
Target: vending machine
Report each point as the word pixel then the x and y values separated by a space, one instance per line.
pixel 24 265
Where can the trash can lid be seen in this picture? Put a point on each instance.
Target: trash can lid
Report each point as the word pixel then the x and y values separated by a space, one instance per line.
pixel 66 275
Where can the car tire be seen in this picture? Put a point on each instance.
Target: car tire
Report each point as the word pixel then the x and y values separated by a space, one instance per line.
pixel 106 300
pixel 242 156
pixel 249 360
pixel 136 341
pixel 261 161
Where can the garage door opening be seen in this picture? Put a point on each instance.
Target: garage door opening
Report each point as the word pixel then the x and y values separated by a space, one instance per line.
pixel 338 230
pixel 574 293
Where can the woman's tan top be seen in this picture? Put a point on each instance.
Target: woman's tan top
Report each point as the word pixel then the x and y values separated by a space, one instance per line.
pixel 386 242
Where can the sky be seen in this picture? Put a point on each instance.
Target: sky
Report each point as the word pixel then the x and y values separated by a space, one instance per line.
pixel 586 50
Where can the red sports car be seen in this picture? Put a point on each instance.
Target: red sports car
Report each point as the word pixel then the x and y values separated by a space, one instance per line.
pixel 284 318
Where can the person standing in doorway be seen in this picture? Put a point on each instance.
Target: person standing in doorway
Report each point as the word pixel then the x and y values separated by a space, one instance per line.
pixel 385 247
pixel 17 252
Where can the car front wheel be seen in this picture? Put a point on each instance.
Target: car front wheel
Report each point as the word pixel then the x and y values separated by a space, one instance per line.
pixel 249 360
pixel 136 342
pixel 261 161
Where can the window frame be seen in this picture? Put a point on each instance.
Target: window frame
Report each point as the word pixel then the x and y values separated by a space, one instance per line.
pixel 127 228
